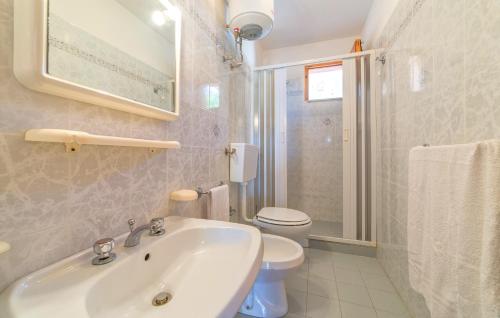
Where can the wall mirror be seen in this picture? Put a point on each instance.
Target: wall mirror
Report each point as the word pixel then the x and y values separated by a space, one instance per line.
pixel 121 54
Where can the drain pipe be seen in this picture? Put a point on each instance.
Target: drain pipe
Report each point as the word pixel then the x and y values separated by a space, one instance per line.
pixel 243 196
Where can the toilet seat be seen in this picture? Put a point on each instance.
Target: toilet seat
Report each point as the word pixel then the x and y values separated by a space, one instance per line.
pixel 292 224
pixel 283 216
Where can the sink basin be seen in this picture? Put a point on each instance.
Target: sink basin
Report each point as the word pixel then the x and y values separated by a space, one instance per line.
pixel 199 268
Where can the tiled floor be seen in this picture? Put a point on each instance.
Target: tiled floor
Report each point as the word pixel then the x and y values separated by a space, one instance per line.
pixel 326 228
pixel 336 285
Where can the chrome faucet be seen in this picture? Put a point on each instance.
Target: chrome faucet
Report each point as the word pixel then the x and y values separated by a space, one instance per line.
pixel 155 227
pixel 103 248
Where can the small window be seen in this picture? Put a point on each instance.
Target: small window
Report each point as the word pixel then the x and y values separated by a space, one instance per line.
pixel 323 81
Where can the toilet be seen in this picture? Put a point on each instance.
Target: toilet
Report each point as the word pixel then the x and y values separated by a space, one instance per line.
pixel 293 224
pixel 267 298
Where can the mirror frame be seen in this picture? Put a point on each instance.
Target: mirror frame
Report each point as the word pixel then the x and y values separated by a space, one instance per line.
pixel 30 65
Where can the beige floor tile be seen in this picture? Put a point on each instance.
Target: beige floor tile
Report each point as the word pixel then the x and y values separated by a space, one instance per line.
pixel 303 269
pixel 390 302
pixel 296 282
pixel 296 302
pixel 346 261
pixel 350 310
pixel 320 255
pixel 351 276
pixel 385 314
pixel 370 265
pixel 322 287
pixel 289 315
pixel 336 285
pixel 321 307
pixel 322 269
pixel 354 294
pixel 378 282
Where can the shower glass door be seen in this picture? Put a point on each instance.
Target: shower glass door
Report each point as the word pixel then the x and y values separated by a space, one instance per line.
pixel 314 152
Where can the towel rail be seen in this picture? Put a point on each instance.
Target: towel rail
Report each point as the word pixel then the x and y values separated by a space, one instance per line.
pixel 200 191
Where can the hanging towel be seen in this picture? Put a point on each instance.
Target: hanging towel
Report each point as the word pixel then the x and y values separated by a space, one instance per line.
pixel 454 228
pixel 218 205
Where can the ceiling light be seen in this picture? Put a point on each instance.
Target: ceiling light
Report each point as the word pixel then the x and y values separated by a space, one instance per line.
pixel 158 18
pixel 171 11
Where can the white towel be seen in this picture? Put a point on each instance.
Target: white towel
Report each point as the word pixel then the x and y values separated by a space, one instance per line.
pixel 454 228
pixel 218 205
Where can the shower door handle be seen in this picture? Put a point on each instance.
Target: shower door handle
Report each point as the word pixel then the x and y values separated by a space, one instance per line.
pixel 346 135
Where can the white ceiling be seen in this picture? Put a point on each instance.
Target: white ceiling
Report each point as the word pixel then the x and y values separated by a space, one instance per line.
pixel 304 21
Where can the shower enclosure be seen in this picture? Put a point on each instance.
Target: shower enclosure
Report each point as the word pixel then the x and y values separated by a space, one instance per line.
pixel 314 123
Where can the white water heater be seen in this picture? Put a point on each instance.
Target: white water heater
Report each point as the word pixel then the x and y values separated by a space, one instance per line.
pixel 253 18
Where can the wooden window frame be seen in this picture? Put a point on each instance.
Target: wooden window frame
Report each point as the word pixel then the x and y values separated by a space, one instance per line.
pixel 357 46
pixel 307 68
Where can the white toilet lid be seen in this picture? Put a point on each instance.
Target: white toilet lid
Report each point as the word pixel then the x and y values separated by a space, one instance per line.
pixel 282 216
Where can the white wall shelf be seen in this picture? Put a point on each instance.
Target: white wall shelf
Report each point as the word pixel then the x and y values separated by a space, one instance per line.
pixel 74 139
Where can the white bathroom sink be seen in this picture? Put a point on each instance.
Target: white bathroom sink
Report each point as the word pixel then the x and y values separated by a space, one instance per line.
pixel 208 267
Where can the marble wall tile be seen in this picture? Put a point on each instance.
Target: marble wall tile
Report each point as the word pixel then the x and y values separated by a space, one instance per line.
pixel 34 188
pixel 21 107
pixel 179 167
pixel 149 193
pixel 448 105
pixel 33 251
pixel 6 17
pixel 99 188
pixel 181 129
pixel 54 204
pixel 438 86
pixel 99 120
pixel 314 155
pixel 482 70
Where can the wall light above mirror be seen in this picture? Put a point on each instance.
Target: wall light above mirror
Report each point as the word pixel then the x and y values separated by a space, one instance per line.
pixel 121 54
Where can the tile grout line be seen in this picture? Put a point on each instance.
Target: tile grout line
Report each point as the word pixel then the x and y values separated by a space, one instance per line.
pixel 336 287
pixel 396 290
pixel 307 281
pixel 369 294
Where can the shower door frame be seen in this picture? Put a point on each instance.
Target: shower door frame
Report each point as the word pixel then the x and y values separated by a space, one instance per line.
pixel 359 111
pixel 349 149
pixel 280 137
pixel 348 117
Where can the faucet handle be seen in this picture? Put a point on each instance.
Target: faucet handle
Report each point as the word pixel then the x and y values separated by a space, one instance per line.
pixel 157 227
pixel 103 248
pixel 131 223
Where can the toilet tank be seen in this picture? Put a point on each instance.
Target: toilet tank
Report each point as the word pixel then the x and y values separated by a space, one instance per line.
pixel 243 162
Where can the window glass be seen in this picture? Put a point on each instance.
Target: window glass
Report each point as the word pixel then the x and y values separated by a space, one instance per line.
pixel 324 82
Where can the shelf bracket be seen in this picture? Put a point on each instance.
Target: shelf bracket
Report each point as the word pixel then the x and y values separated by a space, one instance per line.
pixel 72 146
